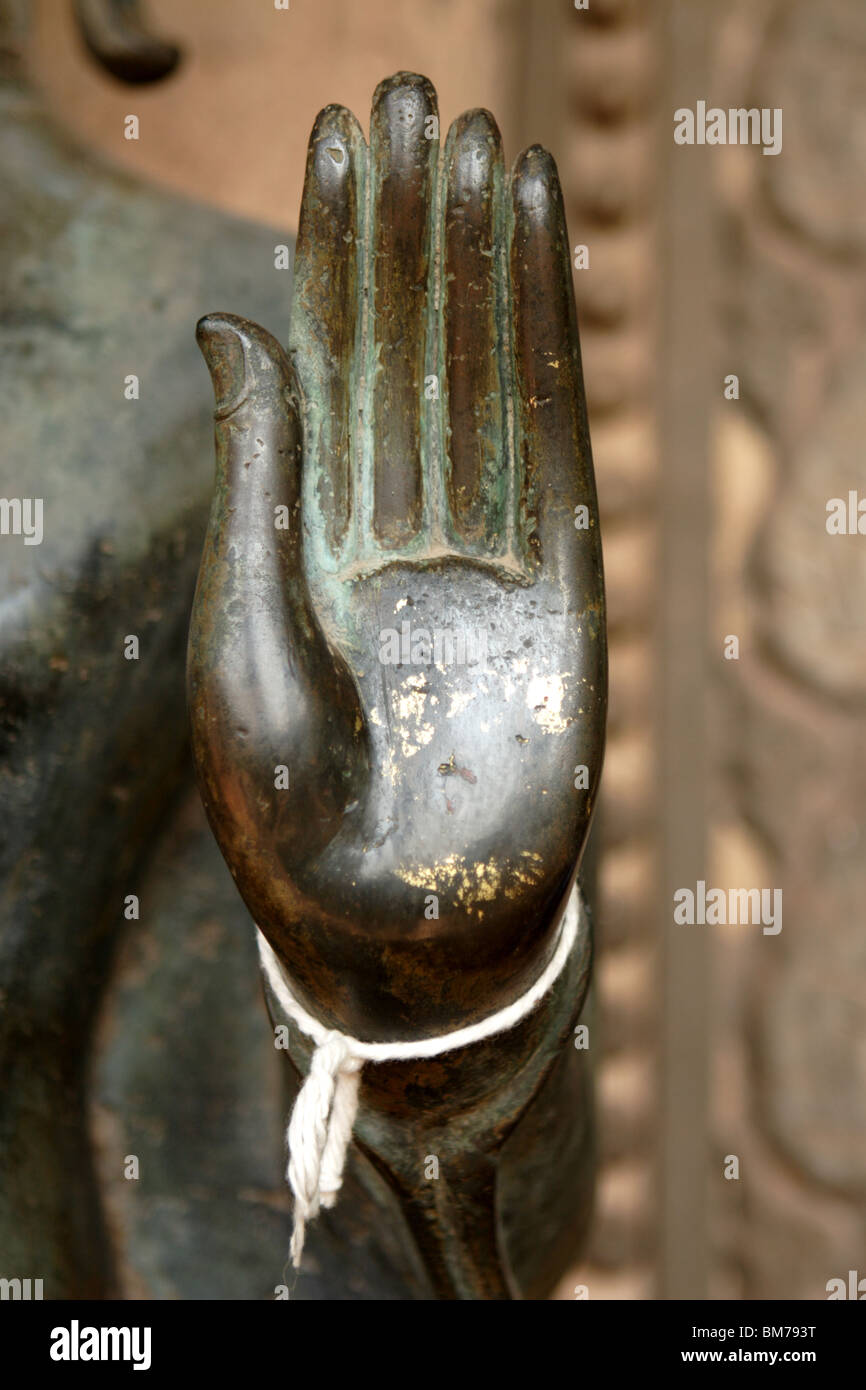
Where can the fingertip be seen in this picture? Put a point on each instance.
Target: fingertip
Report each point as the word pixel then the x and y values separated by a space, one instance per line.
pixel 338 121
pixel 535 187
pixel 407 87
pixel 540 259
pixel 473 152
pixel 219 340
pixel 336 141
pixel 242 358
pixel 477 127
pixel 403 106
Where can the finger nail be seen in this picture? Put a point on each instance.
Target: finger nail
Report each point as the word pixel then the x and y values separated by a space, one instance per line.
pixel 223 350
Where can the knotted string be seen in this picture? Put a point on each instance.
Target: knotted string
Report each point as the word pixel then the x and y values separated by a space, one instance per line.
pixel 323 1117
pixel 319 1131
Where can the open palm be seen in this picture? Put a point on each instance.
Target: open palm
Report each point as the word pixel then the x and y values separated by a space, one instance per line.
pixel 401 599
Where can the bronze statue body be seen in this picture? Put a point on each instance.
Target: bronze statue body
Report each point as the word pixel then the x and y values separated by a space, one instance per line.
pixel 397 669
pixel 100 277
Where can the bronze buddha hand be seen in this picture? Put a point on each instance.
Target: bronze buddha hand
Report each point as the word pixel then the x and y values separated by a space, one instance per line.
pixel 397 659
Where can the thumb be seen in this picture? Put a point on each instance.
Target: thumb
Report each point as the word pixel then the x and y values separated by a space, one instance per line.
pixel 257 425
pixel 265 690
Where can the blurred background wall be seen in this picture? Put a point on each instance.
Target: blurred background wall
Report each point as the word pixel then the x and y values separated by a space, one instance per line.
pixel 704 263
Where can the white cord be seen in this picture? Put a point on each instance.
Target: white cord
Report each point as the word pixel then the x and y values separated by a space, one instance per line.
pixel 323 1117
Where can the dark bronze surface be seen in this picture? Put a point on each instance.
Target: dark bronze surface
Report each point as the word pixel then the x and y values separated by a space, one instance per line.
pixel 117 34
pixel 420 457
pixel 456 513
pixel 99 277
